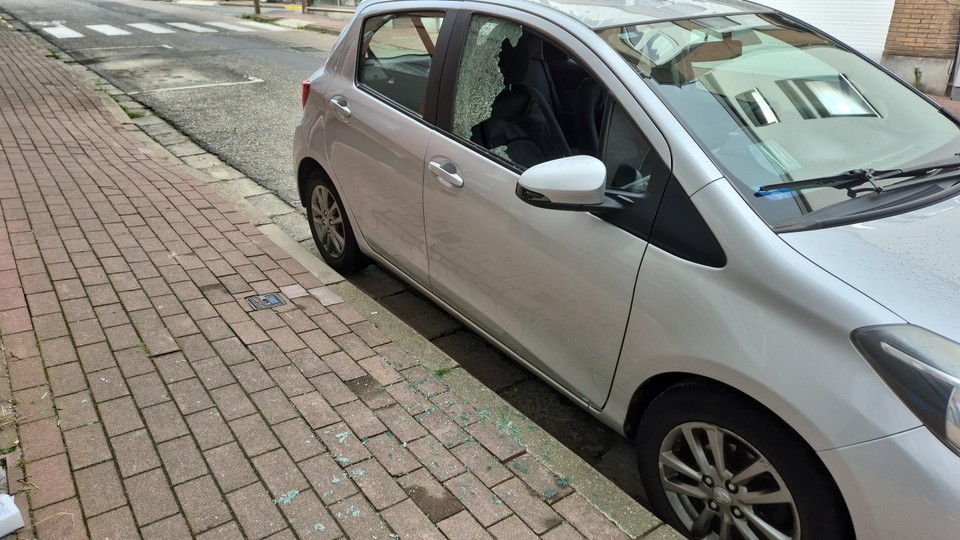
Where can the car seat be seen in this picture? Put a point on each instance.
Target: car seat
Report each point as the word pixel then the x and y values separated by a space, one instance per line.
pixel 521 119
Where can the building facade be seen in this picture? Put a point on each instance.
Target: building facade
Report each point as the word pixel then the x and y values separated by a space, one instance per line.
pixel 924 35
pixel 916 39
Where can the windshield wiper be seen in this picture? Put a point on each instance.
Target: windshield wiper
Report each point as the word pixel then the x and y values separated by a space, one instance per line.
pixel 856 177
pixel 847 180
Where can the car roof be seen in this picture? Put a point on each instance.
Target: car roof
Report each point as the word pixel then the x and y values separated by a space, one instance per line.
pixel 611 13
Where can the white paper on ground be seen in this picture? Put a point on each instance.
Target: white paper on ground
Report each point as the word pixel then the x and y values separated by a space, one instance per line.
pixel 10 518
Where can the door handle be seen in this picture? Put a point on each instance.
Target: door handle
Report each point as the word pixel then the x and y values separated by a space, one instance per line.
pixel 340 107
pixel 446 173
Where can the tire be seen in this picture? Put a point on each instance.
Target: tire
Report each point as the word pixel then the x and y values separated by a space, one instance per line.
pixel 777 480
pixel 330 226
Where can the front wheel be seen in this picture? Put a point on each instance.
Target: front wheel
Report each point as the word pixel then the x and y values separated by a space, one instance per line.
pixel 717 466
pixel 331 228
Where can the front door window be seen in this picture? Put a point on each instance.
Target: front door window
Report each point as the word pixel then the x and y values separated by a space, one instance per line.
pixel 500 103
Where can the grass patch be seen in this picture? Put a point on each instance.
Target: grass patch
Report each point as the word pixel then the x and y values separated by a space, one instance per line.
pixel 259 18
pixel 440 373
pixel 131 115
pixel 7 450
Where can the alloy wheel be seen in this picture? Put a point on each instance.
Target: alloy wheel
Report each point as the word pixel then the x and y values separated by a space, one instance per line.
pixel 328 221
pixel 721 487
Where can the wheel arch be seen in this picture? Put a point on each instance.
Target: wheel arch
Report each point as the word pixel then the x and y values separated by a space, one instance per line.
pixel 305 169
pixel 644 395
pixel 651 388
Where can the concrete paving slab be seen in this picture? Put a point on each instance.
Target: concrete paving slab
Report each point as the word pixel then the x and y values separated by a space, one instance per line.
pixel 201 161
pixel 315 265
pixel 171 137
pixel 295 225
pixel 185 149
pixel 270 204
pixel 240 188
pixel 224 172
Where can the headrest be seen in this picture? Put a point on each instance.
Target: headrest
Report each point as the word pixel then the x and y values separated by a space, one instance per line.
pixel 515 60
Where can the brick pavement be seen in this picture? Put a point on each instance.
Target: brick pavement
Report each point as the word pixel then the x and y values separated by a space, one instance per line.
pixel 153 402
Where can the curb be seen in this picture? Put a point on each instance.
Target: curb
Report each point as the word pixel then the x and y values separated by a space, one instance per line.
pixel 297 24
pixel 286 226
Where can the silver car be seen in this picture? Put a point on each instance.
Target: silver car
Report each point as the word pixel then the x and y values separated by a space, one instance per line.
pixel 723 233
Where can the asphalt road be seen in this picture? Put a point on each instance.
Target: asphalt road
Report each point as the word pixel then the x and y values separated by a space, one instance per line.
pixel 237 93
pixel 234 90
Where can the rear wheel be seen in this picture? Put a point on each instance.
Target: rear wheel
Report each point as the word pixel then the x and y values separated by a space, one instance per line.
pixel 331 227
pixel 717 466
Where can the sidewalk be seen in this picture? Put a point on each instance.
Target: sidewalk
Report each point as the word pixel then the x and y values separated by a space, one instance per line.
pixel 152 400
pixel 314 20
pixel 953 107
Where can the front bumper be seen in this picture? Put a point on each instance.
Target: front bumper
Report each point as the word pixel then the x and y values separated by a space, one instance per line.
pixel 901 487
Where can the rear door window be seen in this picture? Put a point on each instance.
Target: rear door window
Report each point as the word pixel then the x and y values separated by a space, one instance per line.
pixel 396 57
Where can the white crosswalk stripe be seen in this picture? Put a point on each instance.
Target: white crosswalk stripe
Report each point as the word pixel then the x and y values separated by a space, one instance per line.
pixel 62 32
pixel 108 30
pixel 192 27
pixel 228 26
pixel 152 28
pixel 263 26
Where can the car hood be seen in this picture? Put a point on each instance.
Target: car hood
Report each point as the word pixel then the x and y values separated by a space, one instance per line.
pixel 909 263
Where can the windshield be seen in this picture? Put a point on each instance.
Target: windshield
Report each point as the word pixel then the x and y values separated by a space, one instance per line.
pixel 775 103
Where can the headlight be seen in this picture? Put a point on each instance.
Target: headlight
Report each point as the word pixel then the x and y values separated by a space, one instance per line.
pixel 921 367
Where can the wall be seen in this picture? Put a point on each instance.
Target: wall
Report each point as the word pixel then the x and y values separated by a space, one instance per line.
pixel 924 28
pixel 923 34
pixel 862 24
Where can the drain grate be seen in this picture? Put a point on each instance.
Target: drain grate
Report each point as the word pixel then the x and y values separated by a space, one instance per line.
pixel 265 301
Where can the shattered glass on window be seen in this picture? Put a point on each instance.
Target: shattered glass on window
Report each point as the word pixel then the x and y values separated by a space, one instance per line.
pixel 480 79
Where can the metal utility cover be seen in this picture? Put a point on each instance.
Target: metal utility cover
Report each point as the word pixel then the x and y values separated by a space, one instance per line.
pixel 265 301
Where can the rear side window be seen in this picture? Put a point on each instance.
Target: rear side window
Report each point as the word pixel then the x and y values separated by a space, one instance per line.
pixel 396 57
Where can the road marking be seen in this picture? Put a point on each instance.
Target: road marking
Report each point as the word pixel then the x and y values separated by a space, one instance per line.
pixel 108 30
pixel 250 80
pixel 197 2
pixel 124 47
pixel 152 28
pixel 297 8
pixel 263 26
pixel 192 27
pixel 62 32
pixel 228 26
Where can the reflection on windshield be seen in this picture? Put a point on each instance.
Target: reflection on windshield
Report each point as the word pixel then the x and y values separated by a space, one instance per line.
pixel 773 103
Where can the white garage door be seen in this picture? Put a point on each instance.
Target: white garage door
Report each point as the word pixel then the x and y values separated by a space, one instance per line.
pixel 862 24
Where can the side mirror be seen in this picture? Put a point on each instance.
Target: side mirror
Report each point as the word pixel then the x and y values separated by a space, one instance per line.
pixel 576 183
